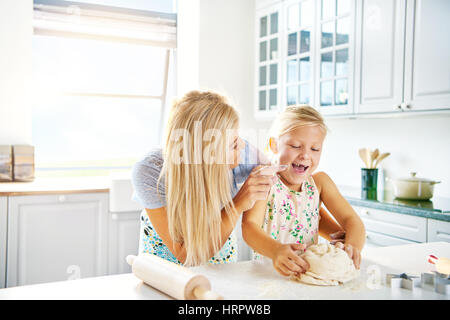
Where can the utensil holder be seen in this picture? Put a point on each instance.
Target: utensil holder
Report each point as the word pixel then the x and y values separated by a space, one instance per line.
pixel 369 180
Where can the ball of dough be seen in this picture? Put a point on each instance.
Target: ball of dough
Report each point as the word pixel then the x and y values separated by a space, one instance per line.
pixel 329 266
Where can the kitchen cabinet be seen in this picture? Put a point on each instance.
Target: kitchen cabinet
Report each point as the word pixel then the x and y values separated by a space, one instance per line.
pixel 268 62
pixel 334 56
pixel 56 237
pixel 374 239
pixel 123 239
pixel 308 60
pixel 438 231
pixel 395 224
pixel 386 228
pixel 3 234
pixel 353 57
pixel 379 55
pixel 427 52
pixel 402 56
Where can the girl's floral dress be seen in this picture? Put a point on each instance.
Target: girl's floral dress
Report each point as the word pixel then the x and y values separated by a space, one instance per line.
pixel 292 216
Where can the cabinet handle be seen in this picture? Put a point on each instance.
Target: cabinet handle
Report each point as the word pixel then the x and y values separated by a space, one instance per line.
pixel 366 212
pixel 397 107
pixel 404 106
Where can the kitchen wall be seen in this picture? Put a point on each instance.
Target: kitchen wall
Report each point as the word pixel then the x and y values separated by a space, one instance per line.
pixel 15 71
pixel 225 44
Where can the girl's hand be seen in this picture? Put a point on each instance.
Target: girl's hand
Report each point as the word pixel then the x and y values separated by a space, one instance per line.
pixel 287 262
pixel 256 187
pixel 353 253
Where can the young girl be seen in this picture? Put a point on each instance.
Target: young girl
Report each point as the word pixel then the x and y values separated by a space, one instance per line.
pixel 288 220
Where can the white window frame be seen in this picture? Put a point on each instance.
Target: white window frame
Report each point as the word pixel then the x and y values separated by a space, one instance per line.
pixel 73 20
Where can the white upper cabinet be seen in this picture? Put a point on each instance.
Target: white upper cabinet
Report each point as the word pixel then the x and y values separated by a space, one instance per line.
pixel 353 57
pixel 334 56
pixel 402 56
pixel 312 62
pixel 268 61
pixel 427 55
pixel 298 56
pixel 379 55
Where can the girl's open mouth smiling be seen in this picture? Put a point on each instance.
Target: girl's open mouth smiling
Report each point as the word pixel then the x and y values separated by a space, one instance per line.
pixel 299 168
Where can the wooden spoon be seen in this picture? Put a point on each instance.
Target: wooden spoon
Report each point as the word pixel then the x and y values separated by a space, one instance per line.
pixel 368 158
pixel 362 155
pixel 374 155
pixel 381 157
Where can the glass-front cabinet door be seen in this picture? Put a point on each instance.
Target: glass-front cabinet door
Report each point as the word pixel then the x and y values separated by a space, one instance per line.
pixel 334 72
pixel 268 68
pixel 298 58
pixel 304 55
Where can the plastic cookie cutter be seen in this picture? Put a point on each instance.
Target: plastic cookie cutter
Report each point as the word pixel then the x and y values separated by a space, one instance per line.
pixel 403 281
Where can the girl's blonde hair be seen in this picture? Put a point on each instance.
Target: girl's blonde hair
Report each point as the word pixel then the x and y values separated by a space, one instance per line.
pixel 297 116
pixel 197 188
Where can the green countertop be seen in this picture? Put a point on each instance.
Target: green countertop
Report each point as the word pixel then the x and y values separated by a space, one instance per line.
pixel 436 208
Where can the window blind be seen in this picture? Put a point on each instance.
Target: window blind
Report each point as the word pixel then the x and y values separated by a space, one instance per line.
pixel 89 21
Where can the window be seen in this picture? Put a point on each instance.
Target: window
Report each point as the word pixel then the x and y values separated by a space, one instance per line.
pixel 101 85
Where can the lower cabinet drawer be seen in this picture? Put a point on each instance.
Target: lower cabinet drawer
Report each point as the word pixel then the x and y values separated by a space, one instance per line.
pixel 374 239
pixel 394 224
pixel 438 230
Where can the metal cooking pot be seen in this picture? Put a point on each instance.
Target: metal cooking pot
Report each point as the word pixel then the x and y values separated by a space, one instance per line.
pixel 413 188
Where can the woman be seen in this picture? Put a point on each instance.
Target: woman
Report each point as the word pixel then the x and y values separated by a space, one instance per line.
pixel 189 189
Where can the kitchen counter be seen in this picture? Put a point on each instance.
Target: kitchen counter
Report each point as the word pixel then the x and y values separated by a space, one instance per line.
pixel 258 280
pixel 436 208
pixel 56 186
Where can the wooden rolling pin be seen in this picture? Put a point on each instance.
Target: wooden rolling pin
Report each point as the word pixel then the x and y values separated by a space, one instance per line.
pixel 173 279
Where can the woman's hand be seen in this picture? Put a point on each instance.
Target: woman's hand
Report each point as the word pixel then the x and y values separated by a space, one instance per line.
pixel 287 262
pixel 256 187
pixel 353 252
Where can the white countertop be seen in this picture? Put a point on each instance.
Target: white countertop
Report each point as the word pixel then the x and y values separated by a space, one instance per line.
pixel 56 185
pixel 258 280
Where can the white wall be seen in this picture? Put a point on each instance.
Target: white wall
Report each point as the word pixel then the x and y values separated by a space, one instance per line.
pixel 417 144
pixel 215 49
pixel 15 71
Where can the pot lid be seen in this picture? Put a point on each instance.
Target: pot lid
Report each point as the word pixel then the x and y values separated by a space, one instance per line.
pixel 413 177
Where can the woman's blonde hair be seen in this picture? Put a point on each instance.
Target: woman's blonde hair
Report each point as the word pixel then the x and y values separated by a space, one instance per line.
pixel 197 176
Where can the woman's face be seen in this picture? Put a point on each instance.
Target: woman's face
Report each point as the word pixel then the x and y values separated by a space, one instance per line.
pixel 300 149
pixel 235 144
